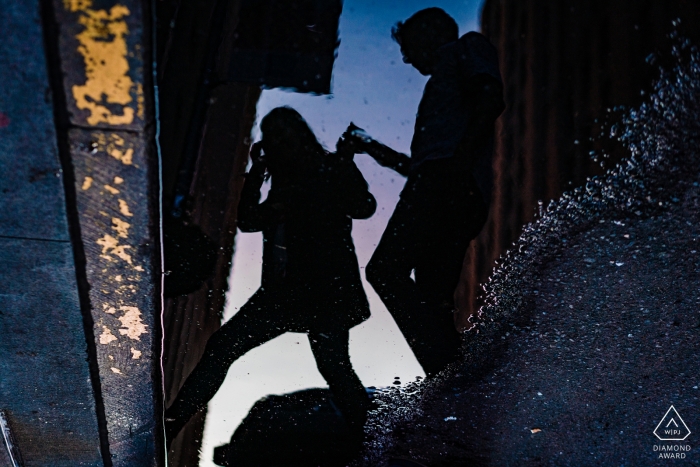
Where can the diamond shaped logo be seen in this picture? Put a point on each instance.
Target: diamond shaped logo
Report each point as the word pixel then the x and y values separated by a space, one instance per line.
pixel 672 427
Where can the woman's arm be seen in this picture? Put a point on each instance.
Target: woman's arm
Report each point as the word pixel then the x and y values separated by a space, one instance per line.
pixel 250 217
pixel 360 202
pixel 352 191
pixel 254 216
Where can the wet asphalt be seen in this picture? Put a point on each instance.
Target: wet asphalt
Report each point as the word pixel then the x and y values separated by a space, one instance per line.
pixel 607 341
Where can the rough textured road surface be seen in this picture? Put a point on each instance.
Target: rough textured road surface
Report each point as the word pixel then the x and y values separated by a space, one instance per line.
pixel 607 343
pixel 591 327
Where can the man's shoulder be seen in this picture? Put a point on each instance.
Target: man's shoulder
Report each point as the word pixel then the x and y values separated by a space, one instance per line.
pixel 470 39
pixel 473 36
pixel 468 48
pixel 475 42
pixel 472 54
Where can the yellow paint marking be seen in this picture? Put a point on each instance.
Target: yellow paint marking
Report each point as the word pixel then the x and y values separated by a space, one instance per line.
pixel 87 183
pixel 111 310
pixel 110 245
pixel 124 208
pixel 132 326
pixel 135 354
pixel 111 189
pixel 124 156
pixel 121 227
pixel 116 370
pixel 138 268
pixel 115 147
pixel 77 5
pixel 118 180
pixel 106 337
pixel 140 100
pixel 110 357
pixel 107 89
pixel 118 278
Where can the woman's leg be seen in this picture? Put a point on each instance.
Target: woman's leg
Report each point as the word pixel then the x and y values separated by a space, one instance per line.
pixel 330 350
pixel 257 322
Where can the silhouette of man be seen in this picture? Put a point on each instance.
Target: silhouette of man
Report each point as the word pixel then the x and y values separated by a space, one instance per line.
pixel 311 280
pixel 445 201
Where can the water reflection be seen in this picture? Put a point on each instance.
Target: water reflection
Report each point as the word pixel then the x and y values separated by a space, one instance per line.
pixel 417 263
pixel 444 204
pixel 310 278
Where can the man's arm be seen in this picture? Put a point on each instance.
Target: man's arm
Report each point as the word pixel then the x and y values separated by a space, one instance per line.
pixel 387 157
pixel 384 155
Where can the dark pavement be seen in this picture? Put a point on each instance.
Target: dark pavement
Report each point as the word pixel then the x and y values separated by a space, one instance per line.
pixel 591 327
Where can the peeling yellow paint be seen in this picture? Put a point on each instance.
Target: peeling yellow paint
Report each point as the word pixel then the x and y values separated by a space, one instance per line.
pixel 106 337
pixel 124 156
pixel 118 278
pixel 111 310
pixel 107 89
pixel 110 357
pixel 111 246
pixel 121 227
pixel 140 100
pixel 77 5
pixel 132 326
pixel 118 180
pixel 104 213
pixel 111 189
pixel 115 146
pixel 135 354
pixel 87 183
pixel 116 370
pixel 124 208
pixel 138 268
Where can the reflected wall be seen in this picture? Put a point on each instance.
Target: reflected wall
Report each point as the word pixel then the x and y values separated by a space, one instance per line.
pixel 564 64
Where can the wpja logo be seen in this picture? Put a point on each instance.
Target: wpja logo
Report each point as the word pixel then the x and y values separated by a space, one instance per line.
pixel 672 428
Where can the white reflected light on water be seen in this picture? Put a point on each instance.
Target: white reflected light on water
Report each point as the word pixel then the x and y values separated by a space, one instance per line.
pixel 373 88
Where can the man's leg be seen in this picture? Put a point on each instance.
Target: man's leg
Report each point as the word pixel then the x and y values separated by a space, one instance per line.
pixel 256 323
pixel 389 273
pixel 429 232
pixel 457 218
pixel 332 356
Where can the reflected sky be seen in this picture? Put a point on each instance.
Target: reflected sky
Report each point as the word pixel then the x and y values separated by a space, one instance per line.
pixel 373 88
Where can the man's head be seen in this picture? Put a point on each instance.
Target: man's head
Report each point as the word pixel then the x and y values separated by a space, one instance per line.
pixel 421 35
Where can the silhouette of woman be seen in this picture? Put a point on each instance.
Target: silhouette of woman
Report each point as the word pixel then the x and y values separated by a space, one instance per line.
pixel 310 280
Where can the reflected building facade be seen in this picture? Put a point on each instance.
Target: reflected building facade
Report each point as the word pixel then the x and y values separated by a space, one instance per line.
pixel 563 64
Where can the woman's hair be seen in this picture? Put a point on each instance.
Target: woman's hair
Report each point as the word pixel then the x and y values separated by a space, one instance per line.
pixel 431 25
pixel 286 122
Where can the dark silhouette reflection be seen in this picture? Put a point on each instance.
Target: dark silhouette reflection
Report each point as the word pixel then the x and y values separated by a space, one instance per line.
pixel 305 427
pixel 311 280
pixel 446 197
pixel 190 256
